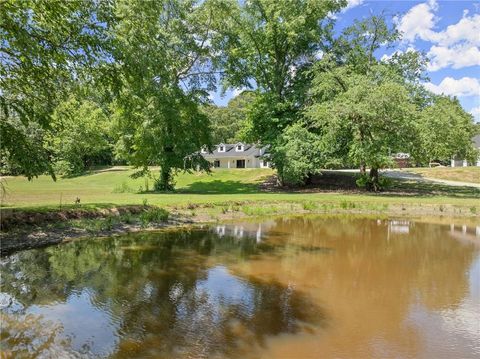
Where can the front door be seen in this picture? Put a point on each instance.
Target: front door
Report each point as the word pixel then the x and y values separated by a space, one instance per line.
pixel 240 163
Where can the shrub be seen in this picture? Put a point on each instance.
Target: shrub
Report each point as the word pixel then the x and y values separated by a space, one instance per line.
pixel 154 215
pixel 365 181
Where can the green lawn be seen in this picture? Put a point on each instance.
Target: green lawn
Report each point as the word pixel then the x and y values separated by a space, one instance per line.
pixel 115 187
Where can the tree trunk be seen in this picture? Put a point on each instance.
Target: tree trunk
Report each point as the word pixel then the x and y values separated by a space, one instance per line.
pixel 164 183
pixel 374 179
pixel 363 168
pixel 308 179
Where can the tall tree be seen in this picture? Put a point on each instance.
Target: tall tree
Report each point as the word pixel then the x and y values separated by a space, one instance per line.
pixel 267 45
pixel 163 50
pixel 44 47
pixel 79 137
pixel 228 122
pixel 445 131
pixel 368 118
pixel 363 109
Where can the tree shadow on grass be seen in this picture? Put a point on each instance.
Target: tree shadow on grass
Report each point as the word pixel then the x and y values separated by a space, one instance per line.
pixel 95 170
pixel 220 187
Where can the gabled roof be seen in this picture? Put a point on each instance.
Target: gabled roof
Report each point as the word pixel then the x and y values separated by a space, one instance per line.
pixel 248 151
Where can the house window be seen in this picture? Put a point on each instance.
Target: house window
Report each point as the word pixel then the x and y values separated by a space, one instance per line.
pixel 239 148
pixel 221 148
pixel 204 150
pixel 264 163
pixel 240 163
pixel 216 163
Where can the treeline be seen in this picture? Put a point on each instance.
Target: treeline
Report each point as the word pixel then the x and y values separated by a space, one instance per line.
pixel 128 81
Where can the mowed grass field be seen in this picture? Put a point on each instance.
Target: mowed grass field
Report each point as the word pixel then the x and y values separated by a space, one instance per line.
pixel 114 186
pixel 461 174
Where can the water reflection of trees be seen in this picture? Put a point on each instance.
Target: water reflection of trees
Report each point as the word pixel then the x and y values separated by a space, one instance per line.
pixel 161 291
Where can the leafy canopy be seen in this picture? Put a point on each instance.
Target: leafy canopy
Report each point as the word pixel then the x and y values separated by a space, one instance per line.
pixel 79 136
pixel 44 47
pixel 162 51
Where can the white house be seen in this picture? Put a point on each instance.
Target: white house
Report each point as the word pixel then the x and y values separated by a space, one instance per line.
pixel 237 155
pixel 455 162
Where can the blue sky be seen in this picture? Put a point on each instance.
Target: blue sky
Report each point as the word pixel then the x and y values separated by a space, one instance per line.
pixel 447 31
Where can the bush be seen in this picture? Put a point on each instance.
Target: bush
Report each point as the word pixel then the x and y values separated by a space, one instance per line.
pixel 154 215
pixel 365 181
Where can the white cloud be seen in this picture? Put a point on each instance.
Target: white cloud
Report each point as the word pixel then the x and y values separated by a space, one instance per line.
pixel 457 46
pixel 419 22
pixel 466 86
pixel 475 112
pixel 353 3
pixel 467 29
pixel 456 57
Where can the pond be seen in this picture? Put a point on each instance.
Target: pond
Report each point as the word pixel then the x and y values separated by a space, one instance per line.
pixel 294 287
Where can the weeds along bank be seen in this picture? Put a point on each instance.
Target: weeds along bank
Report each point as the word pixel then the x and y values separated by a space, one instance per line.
pixel 29 228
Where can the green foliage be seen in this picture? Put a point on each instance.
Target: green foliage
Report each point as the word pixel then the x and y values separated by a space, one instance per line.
pixel 260 211
pixel 357 44
pixel 268 116
pixel 227 122
pixel 263 40
pixel 363 110
pixel 297 155
pixel 79 136
pixel 270 44
pixel 366 181
pixel 154 215
pixel 161 49
pixel 44 47
pixel 445 130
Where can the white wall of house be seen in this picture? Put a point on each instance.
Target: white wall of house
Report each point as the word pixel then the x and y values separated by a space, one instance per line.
pixel 250 162
pixel 463 163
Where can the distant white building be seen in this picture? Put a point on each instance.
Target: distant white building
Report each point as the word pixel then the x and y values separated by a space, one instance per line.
pixel 455 162
pixel 237 155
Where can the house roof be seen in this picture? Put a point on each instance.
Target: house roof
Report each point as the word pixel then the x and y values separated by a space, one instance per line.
pixel 476 141
pixel 249 150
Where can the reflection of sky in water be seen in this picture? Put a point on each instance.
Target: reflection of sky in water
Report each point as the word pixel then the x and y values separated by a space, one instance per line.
pixel 223 288
pixel 82 322
pixel 219 289
pixel 459 325
pixel 93 330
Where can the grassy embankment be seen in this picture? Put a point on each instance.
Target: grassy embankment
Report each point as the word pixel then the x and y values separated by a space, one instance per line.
pixel 42 212
pixel 213 195
pixel 461 174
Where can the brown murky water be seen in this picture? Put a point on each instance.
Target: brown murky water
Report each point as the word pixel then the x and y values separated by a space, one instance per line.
pixel 285 288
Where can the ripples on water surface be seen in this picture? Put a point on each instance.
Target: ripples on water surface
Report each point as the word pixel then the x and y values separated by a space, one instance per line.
pixel 293 287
